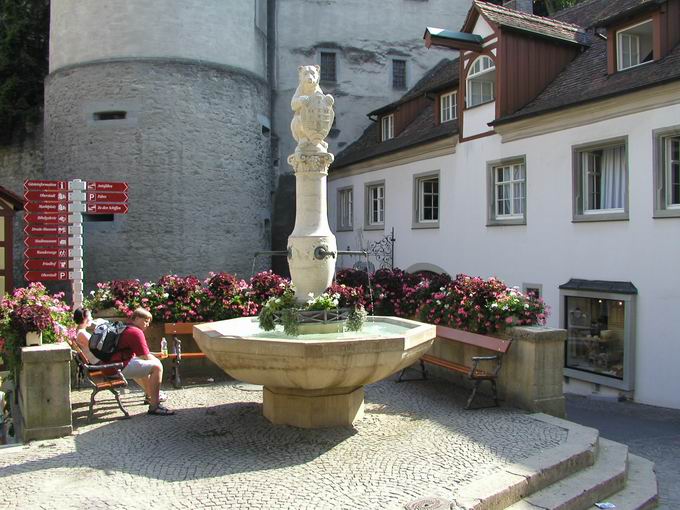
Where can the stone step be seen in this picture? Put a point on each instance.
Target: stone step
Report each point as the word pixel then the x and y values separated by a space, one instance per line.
pixel 581 490
pixel 502 489
pixel 641 491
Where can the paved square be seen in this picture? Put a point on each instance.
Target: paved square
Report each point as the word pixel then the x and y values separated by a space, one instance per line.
pixel 218 451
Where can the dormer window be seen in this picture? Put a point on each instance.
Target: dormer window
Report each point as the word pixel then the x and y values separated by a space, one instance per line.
pixel 634 45
pixel 448 107
pixel 387 124
pixel 481 82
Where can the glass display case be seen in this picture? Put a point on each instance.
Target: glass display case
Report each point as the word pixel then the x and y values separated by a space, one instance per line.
pixel 600 332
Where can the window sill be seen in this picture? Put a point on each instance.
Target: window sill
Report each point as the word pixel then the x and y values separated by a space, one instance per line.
pixel 667 213
pixel 589 218
pixel 632 67
pixel 418 226
pixel 344 229
pixel 506 223
pixel 374 227
pixel 480 104
pixel 604 380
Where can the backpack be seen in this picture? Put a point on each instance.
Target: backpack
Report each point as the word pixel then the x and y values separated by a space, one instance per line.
pixel 104 341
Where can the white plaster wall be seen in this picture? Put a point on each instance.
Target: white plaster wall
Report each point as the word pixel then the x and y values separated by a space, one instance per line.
pixel 216 31
pixel 550 249
pixel 482 28
pixel 476 120
pixel 366 36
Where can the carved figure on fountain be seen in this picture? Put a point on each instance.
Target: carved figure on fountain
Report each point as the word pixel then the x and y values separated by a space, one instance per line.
pixel 313 113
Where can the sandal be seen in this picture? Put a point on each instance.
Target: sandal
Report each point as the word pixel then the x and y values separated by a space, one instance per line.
pixel 160 411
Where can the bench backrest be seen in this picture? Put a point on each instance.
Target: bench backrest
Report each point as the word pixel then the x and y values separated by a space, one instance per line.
pixel 179 328
pixel 485 342
pixel 80 355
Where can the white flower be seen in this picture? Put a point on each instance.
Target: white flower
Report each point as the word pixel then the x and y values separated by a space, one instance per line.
pixel 311 295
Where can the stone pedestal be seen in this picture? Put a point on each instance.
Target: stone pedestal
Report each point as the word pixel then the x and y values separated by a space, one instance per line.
pixel 531 376
pixel 310 409
pixel 45 392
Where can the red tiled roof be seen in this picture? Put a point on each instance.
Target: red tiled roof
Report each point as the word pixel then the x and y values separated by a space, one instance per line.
pixel 526 22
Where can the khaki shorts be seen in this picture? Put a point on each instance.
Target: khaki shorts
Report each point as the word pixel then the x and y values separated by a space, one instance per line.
pixel 138 367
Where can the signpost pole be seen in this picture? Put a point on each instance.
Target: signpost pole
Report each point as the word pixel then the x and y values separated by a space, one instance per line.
pixel 76 207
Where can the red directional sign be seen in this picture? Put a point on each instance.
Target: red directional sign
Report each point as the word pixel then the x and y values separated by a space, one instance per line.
pixel 106 196
pixel 41 276
pixel 104 208
pixel 47 218
pixel 46 253
pixel 45 207
pixel 46 264
pixel 37 184
pixel 107 186
pixel 50 196
pixel 46 242
pixel 45 230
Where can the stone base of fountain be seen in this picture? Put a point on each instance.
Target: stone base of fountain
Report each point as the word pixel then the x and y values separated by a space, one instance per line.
pixel 313 409
pixel 314 380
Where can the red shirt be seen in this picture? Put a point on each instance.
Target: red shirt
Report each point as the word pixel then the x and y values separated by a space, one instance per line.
pixel 132 342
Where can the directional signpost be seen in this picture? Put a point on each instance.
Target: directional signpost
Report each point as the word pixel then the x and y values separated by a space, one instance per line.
pixel 54 226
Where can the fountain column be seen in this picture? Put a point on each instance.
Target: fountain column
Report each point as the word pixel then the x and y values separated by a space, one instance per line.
pixel 312 247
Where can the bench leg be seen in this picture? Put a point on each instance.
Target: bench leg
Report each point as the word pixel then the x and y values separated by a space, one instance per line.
pixel 472 395
pixel 175 378
pixel 90 413
pixel 120 404
pixel 495 392
pixel 422 371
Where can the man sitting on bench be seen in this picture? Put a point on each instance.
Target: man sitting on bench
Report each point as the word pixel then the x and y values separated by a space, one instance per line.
pixel 139 363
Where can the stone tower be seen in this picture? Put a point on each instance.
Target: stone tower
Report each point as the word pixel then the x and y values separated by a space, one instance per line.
pixel 172 97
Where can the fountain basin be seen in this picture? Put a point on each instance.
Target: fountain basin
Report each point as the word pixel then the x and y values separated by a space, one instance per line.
pixel 314 380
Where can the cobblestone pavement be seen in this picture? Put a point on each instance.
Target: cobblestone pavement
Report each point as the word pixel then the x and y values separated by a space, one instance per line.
pixel 219 452
pixel 649 431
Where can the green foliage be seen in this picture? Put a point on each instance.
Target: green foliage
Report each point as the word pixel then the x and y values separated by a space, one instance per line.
pixel 550 7
pixel 24 62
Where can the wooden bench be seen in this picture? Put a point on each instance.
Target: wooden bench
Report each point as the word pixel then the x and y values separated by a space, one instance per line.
pixel 99 377
pixel 472 371
pixel 173 329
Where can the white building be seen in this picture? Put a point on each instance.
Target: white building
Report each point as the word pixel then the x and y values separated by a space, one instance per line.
pixel 554 164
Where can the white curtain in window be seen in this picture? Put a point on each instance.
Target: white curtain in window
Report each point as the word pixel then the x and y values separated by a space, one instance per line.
pixel 613 177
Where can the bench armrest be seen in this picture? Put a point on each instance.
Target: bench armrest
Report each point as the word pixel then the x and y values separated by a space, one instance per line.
pixel 477 359
pixel 484 358
pixel 109 366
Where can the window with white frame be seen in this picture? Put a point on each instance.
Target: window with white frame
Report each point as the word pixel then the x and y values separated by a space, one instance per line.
pixel 481 82
pixel 601 181
pixel 426 197
pixel 667 172
pixel 508 193
pixel 448 106
pixel 328 71
pixel 634 45
pixel 375 205
pixel 387 125
pixel 345 208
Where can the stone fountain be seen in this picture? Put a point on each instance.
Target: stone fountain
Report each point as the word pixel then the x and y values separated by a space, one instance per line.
pixel 315 379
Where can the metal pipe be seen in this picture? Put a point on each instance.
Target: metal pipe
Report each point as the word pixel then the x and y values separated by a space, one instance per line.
pixel 281 253
pixel 352 252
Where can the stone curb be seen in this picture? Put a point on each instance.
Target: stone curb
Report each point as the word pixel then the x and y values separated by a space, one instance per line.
pixel 502 489
pixel 585 488
pixel 641 491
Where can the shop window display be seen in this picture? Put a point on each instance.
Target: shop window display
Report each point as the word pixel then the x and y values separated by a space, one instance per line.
pixel 595 335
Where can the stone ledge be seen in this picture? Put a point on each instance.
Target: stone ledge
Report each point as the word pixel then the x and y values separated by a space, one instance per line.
pixel 46 353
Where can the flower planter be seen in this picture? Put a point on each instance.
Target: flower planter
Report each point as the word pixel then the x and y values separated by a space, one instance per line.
pixel 33 338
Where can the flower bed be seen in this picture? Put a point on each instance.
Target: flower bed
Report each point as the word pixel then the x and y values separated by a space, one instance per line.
pixel 466 302
pixel 31 309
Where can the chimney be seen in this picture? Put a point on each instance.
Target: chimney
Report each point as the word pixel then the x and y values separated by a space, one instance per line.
pixel 520 5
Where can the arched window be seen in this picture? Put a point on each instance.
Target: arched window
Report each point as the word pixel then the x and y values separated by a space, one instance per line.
pixel 481 81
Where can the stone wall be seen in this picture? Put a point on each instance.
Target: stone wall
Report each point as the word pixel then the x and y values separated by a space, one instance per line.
pixel 20 160
pixel 192 150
